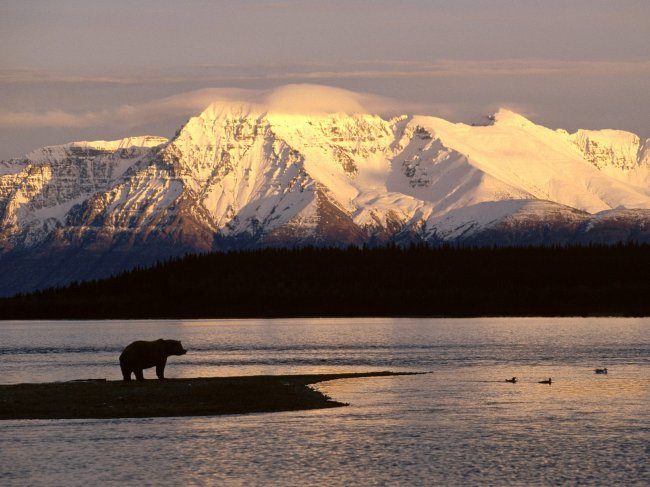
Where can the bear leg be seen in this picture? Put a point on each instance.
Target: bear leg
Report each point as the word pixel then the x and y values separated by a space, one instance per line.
pixel 160 371
pixel 138 374
pixel 126 374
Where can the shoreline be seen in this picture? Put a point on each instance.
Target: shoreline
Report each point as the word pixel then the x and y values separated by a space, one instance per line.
pixel 325 317
pixel 209 396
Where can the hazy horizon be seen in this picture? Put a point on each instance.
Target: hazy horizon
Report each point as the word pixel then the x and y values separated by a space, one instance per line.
pixel 83 70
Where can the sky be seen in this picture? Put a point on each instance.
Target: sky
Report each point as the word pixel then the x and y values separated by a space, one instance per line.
pixel 99 69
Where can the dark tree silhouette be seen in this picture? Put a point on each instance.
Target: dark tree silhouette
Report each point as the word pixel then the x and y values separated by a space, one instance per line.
pixel 388 281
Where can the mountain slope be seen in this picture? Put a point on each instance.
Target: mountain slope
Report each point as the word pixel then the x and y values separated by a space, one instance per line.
pixel 39 190
pixel 619 154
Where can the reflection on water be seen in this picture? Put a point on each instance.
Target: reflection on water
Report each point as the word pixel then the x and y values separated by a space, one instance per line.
pixel 460 424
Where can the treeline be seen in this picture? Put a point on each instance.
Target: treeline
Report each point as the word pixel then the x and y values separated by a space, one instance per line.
pixel 391 281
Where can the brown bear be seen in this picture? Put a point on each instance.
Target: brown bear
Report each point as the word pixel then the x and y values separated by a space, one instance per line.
pixel 142 355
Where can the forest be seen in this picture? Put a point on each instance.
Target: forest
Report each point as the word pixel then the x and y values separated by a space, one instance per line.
pixel 415 281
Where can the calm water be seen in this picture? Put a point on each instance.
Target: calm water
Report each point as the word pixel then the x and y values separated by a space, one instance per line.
pixel 459 425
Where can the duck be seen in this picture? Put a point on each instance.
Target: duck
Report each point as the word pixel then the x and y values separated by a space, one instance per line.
pixel 513 380
pixel 549 381
pixel 601 371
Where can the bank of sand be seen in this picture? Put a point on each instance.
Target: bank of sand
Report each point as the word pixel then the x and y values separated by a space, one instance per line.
pixel 169 397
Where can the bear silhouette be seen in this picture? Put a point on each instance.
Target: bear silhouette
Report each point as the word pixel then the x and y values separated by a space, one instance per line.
pixel 141 355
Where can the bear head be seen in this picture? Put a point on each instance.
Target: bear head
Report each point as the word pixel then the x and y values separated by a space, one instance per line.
pixel 174 347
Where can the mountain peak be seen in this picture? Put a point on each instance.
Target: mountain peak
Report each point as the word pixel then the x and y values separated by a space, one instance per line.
pixel 506 116
pixel 221 110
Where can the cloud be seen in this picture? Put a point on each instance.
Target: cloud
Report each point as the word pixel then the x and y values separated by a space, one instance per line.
pixel 52 118
pixel 298 98
pixel 446 69
pixel 127 115
pixel 313 72
pixel 309 99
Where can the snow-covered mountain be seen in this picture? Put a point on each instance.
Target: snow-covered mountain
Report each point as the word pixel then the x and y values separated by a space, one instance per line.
pixel 38 190
pixel 245 175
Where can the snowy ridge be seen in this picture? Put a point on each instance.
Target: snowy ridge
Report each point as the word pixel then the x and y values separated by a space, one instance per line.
pixel 537 160
pixel 38 190
pixel 619 154
pixel 88 148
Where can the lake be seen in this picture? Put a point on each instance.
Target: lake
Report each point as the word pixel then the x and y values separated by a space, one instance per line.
pixel 460 424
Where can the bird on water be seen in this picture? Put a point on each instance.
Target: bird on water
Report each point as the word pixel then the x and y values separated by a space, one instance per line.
pixel 549 381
